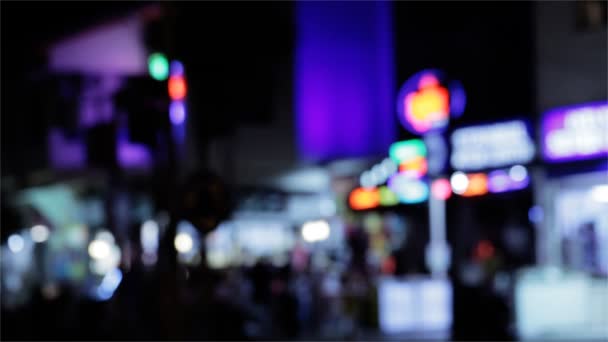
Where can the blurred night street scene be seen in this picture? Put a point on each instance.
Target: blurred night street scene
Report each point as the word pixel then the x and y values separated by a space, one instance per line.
pixel 304 170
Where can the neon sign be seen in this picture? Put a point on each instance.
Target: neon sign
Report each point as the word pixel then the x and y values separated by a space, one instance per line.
pixel 498 181
pixel 403 173
pixel 362 198
pixel 441 189
pixel 387 197
pixel 177 87
pixel 576 132
pixel 477 185
pixel 489 146
pixel 427 101
pixel 403 151
pixel 416 167
pixel 158 66
pixel 502 181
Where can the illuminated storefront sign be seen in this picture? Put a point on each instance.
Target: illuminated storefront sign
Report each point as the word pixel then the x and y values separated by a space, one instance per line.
pixel 490 146
pixel 427 101
pixel 576 133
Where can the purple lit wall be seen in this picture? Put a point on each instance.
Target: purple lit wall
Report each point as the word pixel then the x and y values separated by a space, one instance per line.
pixel 64 153
pixel 114 48
pixel 344 79
pixel 131 155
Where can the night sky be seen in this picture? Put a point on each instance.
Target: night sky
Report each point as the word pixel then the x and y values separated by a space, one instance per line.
pixel 488 46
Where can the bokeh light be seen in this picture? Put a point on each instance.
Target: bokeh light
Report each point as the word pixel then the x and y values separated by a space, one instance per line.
pixel 158 66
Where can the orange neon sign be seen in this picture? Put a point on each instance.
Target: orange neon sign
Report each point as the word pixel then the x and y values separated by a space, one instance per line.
pixel 416 167
pixel 478 185
pixel 362 198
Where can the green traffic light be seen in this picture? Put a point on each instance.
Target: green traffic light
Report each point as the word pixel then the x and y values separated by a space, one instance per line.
pixel 158 66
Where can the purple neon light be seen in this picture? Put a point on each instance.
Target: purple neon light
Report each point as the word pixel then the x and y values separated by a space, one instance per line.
pixel 457 99
pixel 64 153
pixel 520 184
pixel 177 112
pixel 131 155
pixel 554 122
pixel 344 87
pixel 499 181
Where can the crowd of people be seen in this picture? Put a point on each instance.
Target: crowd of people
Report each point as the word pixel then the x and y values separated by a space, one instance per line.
pixel 187 302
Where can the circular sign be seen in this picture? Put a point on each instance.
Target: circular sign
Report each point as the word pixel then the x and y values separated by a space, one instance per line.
pixel 427 101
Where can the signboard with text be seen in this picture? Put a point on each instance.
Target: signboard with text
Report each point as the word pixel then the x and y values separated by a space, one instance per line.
pixel 490 146
pixel 575 133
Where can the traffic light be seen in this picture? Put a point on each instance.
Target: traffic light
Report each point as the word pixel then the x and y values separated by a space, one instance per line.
pixel 177 87
pixel 158 66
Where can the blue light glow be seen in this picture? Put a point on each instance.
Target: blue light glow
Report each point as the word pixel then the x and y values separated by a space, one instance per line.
pixel 536 214
pixel 409 190
pixel 177 112
pixel 177 68
pixel 109 284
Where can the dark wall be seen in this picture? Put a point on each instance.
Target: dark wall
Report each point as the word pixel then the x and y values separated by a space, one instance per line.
pixel 571 60
pixel 488 46
pixel 233 52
